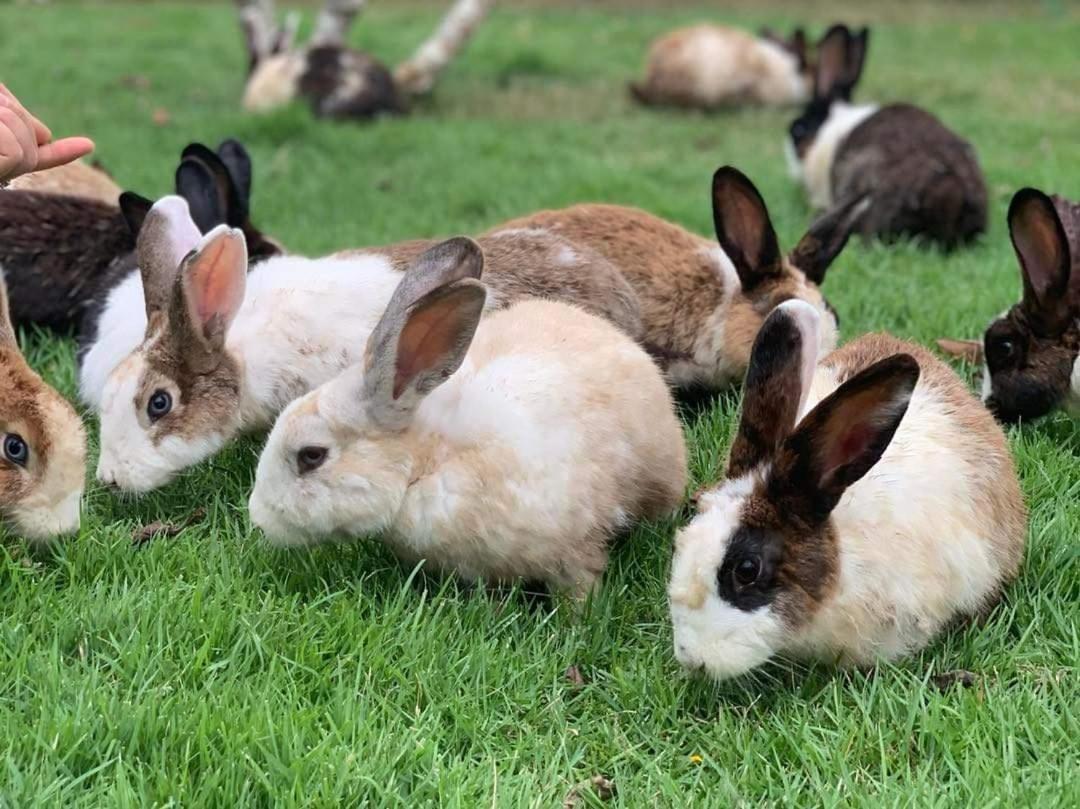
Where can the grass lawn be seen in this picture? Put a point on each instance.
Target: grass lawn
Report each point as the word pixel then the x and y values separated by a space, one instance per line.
pixel 207 669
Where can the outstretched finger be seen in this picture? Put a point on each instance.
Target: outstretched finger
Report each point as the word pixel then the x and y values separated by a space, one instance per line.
pixel 63 151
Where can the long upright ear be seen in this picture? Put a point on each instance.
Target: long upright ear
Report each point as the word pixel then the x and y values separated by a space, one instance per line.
pixel 832 61
pixel 134 209
pixel 853 63
pixel 842 438
pixel 203 178
pixel 7 328
pixel 237 162
pixel 743 227
pixel 798 47
pixel 970 351
pixel 167 235
pixel 425 332
pixel 782 365
pixel 1042 248
pixel 212 284
pixel 826 238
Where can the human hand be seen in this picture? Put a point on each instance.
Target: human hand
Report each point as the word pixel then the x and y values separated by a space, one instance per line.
pixel 26 144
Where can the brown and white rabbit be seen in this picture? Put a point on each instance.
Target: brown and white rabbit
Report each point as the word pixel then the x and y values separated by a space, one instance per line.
pixel 75 179
pixel 191 352
pixel 63 254
pixel 923 180
pixel 497 448
pixel 42 446
pixel 713 66
pixel 702 304
pixel 869 502
pixel 1032 352
pixel 336 80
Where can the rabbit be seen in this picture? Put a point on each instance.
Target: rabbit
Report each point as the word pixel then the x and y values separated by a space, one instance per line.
pixel 42 443
pixel 1032 352
pixel 63 254
pixel 869 502
pixel 337 81
pixel 712 66
pixel 702 304
pixel 191 352
pixel 75 179
pixel 923 179
pixel 495 449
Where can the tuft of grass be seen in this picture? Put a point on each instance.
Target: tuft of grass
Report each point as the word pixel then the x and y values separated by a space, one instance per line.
pixel 207 669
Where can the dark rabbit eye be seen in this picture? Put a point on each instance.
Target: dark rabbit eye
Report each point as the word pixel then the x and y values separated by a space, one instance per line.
pixel 15 449
pixel 309 459
pixel 747 570
pixel 798 130
pixel 159 405
pixel 1003 352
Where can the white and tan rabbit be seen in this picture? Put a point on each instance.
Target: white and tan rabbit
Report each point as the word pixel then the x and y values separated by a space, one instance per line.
pixel 923 180
pixel 42 446
pixel 869 502
pixel 713 66
pixel 702 304
pixel 513 447
pixel 1032 352
pixel 191 351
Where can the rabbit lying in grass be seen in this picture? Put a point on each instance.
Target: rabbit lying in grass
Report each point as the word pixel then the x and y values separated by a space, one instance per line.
pixel 869 502
pixel 512 447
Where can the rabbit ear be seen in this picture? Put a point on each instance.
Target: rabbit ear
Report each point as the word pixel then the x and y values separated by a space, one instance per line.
pixel 778 378
pixel 238 163
pixel 832 61
pixel 134 209
pixel 167 235
pixel 7 328
pixel 853 63
pixel 827 237
pixel 743 227
pixel 970 351
pixel 212 281
pixel 842 438
pixel 425 332
pixel 1042 248
pixel 798 47
pixel 214 195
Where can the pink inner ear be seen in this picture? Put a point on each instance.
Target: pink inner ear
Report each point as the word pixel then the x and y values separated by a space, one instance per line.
pixel 216 279
pixel 852 443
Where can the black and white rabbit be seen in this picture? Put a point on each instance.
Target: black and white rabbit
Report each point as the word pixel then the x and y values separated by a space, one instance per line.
pixel 924 181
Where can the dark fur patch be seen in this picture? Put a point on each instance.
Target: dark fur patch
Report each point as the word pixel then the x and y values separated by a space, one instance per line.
pixel 343 83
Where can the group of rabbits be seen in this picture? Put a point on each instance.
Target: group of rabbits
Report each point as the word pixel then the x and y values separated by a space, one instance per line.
pixel 502 407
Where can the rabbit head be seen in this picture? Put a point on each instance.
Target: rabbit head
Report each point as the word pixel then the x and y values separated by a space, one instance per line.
pixel 761 556
pixel 43 449
pixel 341 458
pixel 175 400
pixel 1031 352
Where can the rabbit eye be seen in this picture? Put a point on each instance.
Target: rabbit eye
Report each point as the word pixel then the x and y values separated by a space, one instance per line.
pixel 747 570
pixel 159 405
pixel 308 459
pixel 15 449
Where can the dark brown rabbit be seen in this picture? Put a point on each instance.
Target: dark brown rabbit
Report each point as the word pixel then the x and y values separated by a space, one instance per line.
pixel 923 180
pixel 1031 352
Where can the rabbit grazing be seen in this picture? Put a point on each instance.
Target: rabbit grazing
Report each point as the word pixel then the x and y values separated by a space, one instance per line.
pixel 43 449
pixel 1032 352
pixel 513 447
pixel 869 502
pixel 923 179
pixel 713 66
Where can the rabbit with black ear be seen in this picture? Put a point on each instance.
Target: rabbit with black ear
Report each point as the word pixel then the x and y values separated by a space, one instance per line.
pixel 869 502
pixel 496 449
pixel 712 66
pixel 923 179
pixel 42 446
pixel 1032 352
pixel 702 303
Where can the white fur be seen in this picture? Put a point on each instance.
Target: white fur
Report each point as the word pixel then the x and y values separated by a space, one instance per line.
pixel 301 322
pixel 818 162
pixel 120 330
pixel 1073 403
pixel 274 81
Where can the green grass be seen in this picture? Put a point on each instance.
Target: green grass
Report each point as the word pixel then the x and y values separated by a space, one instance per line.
pixel 209 670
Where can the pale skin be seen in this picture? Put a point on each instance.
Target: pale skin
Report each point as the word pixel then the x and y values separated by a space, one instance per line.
pixel 27 145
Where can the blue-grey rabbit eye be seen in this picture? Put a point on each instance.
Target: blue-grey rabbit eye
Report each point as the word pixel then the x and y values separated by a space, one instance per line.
pixel 15 449
pixel 308 459
pixel 159 405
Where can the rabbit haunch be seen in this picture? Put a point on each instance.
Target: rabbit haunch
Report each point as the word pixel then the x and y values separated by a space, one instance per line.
pixel 495 449
pixel 869 502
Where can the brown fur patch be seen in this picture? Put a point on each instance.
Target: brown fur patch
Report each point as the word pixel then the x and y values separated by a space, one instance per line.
pixel 77 179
